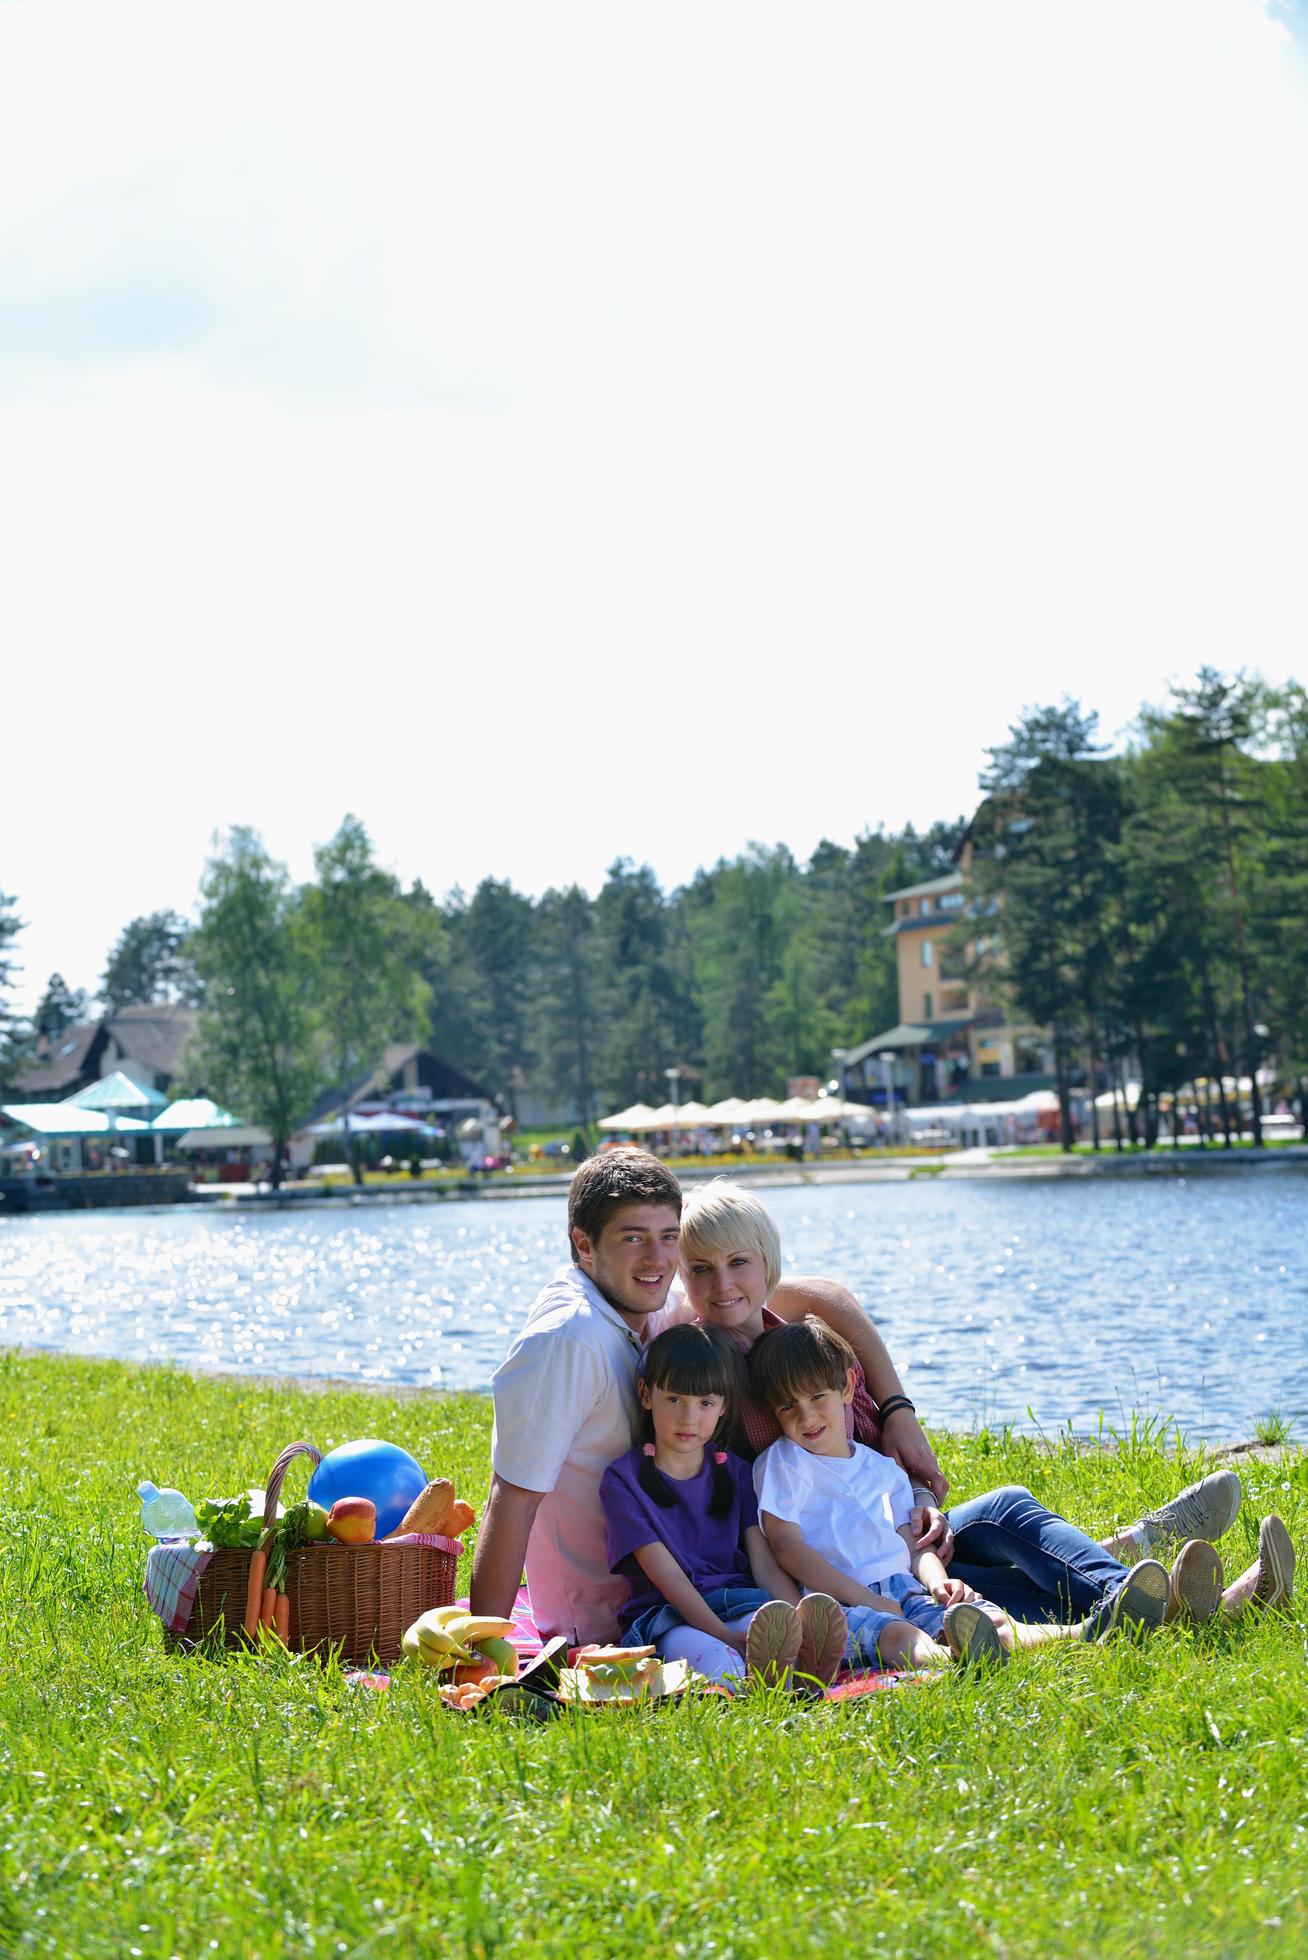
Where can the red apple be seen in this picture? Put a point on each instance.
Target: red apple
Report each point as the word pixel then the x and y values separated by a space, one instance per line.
pixel 353 1520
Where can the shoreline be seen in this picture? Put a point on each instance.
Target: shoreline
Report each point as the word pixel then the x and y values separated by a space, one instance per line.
pixel 1005 1163
pixel 1248 1450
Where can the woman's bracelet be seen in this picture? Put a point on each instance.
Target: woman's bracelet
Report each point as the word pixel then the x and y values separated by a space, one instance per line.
pixel 892 1404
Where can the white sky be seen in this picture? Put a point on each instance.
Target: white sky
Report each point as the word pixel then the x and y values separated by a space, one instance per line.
pixel 568 431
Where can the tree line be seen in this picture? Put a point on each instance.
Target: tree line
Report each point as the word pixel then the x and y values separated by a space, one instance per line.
pixel 1155 904
pixel 1154 916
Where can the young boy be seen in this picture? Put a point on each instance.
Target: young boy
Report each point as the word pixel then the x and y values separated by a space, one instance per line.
pixel 836 1516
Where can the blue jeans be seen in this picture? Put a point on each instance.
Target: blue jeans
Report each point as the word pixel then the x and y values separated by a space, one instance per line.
pixel 866 1624
pixel 728 1602
pixel 1028 1560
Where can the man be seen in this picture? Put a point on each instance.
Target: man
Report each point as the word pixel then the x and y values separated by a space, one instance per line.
pixel 565 1396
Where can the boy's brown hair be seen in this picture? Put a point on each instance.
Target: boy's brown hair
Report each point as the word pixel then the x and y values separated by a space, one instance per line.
pixel 614 1178
pixel 798 1359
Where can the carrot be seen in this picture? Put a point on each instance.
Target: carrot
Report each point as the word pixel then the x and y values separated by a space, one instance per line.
pixel 254 1592
pixel 268 1606
pixel 282 1618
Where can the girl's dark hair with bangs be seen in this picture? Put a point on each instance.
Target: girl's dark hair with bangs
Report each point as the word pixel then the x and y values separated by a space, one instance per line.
pixel 798 1359
pixel 692 1360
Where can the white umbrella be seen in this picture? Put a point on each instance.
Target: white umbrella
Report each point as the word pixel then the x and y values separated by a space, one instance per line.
pixel 635 1118
pixel 733 1110
pixel 193 1113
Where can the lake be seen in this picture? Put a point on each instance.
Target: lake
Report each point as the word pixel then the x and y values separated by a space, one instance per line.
pixel 1035 1302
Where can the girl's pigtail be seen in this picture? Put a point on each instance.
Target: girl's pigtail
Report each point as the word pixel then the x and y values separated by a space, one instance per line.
pixel 724 1489
pixel 652 1480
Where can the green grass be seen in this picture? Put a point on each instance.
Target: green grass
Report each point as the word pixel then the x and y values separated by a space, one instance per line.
pixel 1122 1801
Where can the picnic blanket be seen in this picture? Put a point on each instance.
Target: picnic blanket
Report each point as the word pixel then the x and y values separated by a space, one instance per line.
pixel 526 1637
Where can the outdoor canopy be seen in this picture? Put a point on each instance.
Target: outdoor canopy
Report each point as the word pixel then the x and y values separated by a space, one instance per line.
pixel 118 1091
pixel 193 1113
pixel 65 1119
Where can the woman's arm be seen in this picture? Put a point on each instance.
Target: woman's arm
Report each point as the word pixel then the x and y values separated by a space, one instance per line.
pixel 901 1433
pixel 663 1572
pixel 816 1573
pixel 768 1576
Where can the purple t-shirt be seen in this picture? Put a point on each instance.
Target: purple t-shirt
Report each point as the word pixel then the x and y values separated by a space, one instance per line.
pixel 710 1551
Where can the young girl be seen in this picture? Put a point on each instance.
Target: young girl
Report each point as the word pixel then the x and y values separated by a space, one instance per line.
pixel 682 1528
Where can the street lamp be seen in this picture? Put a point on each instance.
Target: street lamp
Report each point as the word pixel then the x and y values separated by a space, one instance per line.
pixel 674 1097
pixel 840 1056
pixel 887 1061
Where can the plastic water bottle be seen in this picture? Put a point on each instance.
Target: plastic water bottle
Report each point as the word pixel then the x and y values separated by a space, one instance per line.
pixel 166 1514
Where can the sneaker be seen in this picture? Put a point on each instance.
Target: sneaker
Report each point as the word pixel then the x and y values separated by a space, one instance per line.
pixel 1139 1602
pixel 773 1642
pixel 1275 1581
pixel 1194 1584
pixel 973 1636
pixel 1202 1510
pixel 823 1634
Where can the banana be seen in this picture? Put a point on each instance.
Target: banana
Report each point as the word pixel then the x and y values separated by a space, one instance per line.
pixel 410 1646
pixel 435 1644
pixel 471 1627
pixel 440 1616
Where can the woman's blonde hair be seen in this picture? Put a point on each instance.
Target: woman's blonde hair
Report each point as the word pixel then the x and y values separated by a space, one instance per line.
pixel 720 1217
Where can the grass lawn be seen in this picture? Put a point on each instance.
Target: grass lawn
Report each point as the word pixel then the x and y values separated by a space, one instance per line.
pixel 1117 1801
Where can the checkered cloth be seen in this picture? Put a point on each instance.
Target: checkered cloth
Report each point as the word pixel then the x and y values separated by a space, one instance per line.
pixel 172 1573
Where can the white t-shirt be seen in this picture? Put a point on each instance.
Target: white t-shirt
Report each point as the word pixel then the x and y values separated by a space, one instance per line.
pixel 565 1408
pixel 848 1508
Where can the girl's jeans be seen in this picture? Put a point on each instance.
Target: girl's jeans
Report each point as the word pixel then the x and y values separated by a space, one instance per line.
pixel 1024 1558
pixel 664 1628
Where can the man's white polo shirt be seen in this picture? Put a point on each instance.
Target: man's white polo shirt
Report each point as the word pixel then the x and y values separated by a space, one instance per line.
pixel 565 1408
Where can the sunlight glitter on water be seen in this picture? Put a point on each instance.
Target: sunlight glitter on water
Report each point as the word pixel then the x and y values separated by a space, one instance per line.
pixel 1035 1302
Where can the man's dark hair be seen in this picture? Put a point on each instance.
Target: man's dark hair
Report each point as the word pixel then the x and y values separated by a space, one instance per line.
pixel 798 1359
pixel 615 1178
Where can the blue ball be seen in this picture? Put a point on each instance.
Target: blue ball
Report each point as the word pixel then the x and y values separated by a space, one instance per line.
pixel 382 1472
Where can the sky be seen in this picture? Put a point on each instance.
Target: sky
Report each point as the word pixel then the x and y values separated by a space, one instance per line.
pixel 571 432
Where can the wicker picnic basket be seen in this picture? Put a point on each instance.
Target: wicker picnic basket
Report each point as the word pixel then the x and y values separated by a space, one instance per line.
pixel 355 1599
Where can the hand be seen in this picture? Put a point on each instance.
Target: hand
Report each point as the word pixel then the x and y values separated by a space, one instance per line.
pixel 952 1592
pixel 931 1533
pixel 902 1438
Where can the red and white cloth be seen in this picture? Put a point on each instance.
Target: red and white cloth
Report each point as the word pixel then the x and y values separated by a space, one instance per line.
pixel 172 1573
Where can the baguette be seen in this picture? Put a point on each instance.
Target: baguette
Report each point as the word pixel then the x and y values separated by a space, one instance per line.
pixel 428 1511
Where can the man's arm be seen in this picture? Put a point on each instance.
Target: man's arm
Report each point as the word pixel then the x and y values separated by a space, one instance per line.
pixel 901 1434
pixel 502 1546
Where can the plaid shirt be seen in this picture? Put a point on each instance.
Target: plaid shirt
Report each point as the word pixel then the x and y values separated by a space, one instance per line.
pixel 758 1426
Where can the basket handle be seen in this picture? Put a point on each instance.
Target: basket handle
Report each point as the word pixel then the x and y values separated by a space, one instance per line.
pixel 277 1474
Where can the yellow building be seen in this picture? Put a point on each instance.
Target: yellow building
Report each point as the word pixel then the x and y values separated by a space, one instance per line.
pixel 950 1041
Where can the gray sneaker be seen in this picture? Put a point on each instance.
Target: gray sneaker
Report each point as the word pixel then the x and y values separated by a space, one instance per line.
pixel 1202 1510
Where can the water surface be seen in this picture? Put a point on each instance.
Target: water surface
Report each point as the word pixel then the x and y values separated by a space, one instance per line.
pixel 1031 1302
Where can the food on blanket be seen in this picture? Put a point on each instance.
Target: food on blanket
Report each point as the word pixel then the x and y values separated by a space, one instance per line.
pixel 618 1670
pixel 436 1646
pixel 441 1616
pixel 477 1669
pixel 382 1472
pixel 502 1653
pixel 472 1628
pixel 429 1509
pixel 254 1591
pixel 353 1520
